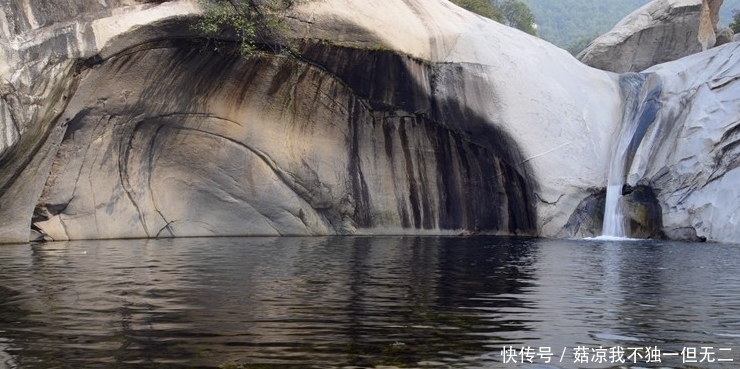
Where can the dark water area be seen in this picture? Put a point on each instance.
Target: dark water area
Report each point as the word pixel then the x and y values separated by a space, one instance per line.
pixel 420 302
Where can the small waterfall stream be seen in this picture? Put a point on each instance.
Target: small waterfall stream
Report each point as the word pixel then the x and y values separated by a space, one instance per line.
pixel 640 96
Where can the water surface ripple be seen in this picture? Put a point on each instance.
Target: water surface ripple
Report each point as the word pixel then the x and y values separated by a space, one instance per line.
pixel 423 302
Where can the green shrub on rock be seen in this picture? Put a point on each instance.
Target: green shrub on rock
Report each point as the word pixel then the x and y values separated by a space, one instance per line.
pixel 251 22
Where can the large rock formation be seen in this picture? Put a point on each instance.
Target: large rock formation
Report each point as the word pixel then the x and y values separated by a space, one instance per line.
pixel 41 48
pixel 660 31
pixel 708 23
pixel 395 116
pixel 690 154
pixel 687 155
pixel 206 144
pixel 381 124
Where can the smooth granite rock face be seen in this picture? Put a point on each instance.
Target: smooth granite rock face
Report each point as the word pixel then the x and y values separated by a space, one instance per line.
pixel 206 144
pixel 161 137
pixel 689 156
pixel 392 117
pixel 42 45
pixel 660 31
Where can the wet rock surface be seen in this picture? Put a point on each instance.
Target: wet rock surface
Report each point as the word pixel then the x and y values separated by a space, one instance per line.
pixel 642 214
pixel 117 121
pixel 689 155
pixel 160 136
pixel 208 144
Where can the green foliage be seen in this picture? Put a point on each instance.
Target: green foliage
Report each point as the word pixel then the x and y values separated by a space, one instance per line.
pixel 728 12
pixel 735 25
pixel 513 13
pixel 252 22
pixel 518 15
pixel 567 22
pixel 482 7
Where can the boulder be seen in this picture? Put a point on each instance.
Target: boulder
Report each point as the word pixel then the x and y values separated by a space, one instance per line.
pixel 660 31
pixel 708 23
pixel 587 219
pixel 724 35
pixel 714 8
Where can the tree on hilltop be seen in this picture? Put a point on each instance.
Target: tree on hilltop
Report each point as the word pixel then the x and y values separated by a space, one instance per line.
pixel 482 7
pixel 513 13
pixel 518 15
pixel 735 25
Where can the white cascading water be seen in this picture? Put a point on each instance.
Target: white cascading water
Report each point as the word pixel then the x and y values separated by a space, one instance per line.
pixel 633 95
pixel 613 218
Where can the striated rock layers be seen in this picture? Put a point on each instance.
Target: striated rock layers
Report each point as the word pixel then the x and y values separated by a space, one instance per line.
pixel 690 154
pixel 685 158
pixel 687 154
pixel 122 124
pixel 660 31
pixel 205 144
pixel 389 117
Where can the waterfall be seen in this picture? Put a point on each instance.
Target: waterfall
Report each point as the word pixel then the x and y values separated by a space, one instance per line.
pixel 613 217
pixel 640 104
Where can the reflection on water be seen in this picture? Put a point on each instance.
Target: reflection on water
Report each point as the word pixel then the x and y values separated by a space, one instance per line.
pixel 363 302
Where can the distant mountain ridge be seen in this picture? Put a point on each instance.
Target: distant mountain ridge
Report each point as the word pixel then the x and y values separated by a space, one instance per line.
pixel 568 22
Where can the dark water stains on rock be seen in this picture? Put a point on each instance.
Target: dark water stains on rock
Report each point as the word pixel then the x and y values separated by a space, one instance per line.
pixel 644 214
pixel 380 77
pixel 360 193
pixel 175 140
pixel 413 186
pixel 641 93
pixel 727 157
pixel 478 167
pixel 481 185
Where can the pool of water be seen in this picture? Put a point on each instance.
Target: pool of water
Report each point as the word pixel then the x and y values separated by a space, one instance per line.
pixel 422 302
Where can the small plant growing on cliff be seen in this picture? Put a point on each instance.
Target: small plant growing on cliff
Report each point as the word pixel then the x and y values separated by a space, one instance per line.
pixel 251 22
